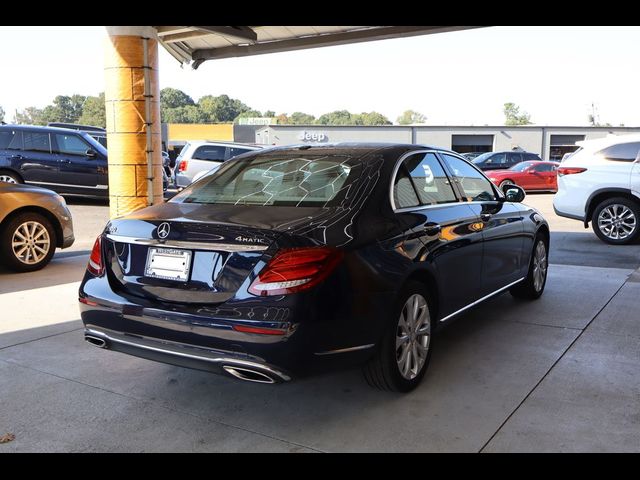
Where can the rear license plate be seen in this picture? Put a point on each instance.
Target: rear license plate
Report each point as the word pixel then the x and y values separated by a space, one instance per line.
pixel 168 264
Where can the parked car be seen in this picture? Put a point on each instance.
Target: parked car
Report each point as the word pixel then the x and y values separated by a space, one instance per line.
pixel 471 155
pixel 600 183
pixel 293 260
pixel 198 156
pixel 502 160
pixel 531 176
pixel 63 160
pixel 33 223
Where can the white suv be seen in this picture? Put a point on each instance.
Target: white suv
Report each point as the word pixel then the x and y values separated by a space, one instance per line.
pixel 600 183
pixel 202 156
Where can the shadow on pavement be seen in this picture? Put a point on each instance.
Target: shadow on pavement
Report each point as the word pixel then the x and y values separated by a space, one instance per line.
pixel 585 249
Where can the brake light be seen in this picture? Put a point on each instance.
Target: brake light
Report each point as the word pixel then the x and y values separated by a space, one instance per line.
pixel 260 331
pixel 570 170
pixel 183 166
pixel 95 265
pixel 292 270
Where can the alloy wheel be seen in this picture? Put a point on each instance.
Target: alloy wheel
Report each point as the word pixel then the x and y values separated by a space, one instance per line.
pixel 7 179
pixel 31 242
pixel 539 266
pixel 412 336
pixel 617 221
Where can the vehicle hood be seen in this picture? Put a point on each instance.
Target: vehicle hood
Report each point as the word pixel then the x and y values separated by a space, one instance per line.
pixel 22 188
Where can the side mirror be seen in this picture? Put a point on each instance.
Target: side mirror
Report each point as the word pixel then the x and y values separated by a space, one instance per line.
pixel 91 153
pixel 513 193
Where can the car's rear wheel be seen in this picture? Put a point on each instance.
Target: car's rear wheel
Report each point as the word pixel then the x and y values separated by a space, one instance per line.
pixel 506 182
pixel 533 285
pixel 404 352
pixel 27 242
pixel 617 221
pixel 9 177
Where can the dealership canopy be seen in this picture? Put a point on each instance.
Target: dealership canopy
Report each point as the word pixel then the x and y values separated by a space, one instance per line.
pixel 194 45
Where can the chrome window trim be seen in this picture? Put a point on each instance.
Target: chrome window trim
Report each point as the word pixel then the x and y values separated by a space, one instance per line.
pixel 394 173
pixel 219 247
pixel 345 350
pixel 480 300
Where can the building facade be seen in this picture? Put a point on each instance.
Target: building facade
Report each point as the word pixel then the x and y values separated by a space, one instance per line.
pixel 550 142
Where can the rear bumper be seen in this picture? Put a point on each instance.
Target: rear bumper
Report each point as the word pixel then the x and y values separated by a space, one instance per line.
pixel 189 356
pixel 568 215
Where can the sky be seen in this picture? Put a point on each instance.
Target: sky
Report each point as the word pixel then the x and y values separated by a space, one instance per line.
pixel 457 78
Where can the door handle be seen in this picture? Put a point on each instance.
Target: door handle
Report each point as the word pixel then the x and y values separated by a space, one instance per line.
pixel 485 217
pixel 17 157
pixel 64 160
pixel 432 229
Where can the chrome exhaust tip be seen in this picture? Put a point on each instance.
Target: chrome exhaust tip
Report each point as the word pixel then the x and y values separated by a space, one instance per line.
pixel 96 341
pixel 248 375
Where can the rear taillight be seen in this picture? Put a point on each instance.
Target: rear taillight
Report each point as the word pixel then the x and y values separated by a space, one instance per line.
pixel 295 269
pixel 182 167
pixel 570 170
pixel 95 265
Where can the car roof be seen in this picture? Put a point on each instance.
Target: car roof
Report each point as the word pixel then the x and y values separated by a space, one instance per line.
pixel 609 140
pixel 42 128
pixel 223 143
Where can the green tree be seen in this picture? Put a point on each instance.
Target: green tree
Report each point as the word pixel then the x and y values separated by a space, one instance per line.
pixel 30 116
pixel 337 117
pixel 410 117
pixel 64 108
pixel 282 119
pixel 184 114
pixel 221 108
pixel 1 114
pixel 371 118
pixel 174 98
pixel 93 112
pixel 299 118
pixel 247 114
pixel 513 115
pixel 269 113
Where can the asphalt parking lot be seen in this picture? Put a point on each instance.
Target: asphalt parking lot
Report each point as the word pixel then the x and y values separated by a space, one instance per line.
pixel 558 374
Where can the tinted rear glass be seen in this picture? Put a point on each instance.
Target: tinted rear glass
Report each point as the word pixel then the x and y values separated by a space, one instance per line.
pixel 625 152
pixel 210 152
pixel 272 181
pixel 10 139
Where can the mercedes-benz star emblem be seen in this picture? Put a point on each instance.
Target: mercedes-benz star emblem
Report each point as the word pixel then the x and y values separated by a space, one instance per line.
pixel 163 230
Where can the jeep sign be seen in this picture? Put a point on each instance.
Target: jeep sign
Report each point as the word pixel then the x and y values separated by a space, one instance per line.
pixel 313 136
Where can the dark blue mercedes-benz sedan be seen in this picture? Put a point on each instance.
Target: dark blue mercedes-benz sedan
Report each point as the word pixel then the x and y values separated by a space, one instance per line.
pixel 294 260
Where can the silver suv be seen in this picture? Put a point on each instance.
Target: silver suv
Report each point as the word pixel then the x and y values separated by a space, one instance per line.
pixel 202 156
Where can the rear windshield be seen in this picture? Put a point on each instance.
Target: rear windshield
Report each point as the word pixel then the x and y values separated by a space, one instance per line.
pixel 272 181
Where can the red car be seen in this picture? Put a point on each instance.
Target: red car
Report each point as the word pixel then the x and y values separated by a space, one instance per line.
pixel 531 176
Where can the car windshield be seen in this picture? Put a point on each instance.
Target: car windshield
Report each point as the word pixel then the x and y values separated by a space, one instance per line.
pixel 274 181
pixel 482 158
pixel 522 166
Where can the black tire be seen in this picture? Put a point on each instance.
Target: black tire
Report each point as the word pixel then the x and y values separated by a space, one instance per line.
pixel 529 289
pixel 383 371
pixel 7 176
pixel 605 232
pixel 9 256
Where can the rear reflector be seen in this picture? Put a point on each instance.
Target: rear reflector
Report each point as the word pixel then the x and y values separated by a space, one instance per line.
pixel 87 302
pixel 295 269
pixel 570 170
pixel 95 265
pixel 261 331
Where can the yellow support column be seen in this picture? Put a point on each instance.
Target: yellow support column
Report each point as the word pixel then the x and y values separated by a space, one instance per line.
pixel 132 100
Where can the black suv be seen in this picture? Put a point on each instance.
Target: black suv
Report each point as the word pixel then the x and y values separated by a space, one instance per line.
pixel 503 160
pixel 63 160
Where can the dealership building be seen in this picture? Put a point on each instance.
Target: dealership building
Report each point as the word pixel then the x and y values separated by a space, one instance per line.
pixel 551 143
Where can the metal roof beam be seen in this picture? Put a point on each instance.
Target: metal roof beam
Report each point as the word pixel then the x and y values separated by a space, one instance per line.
pixel 315 41
pixel 243 33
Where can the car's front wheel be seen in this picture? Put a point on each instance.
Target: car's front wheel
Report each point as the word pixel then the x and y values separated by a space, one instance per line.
pixel 27 242
pixel 404 352
pixel 616 221
pixel 9 177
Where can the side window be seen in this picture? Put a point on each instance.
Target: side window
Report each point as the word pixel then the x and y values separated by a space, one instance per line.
pixel 515 158
pixel 543 167
pixel 623 152
pixel 10 140
pixel 474 185
pixel 498 159
pixel 430 181
pixel 532 156
pixel 71 144
pixel 234 151
pixel 404 194
pixel 37 142
pixel 210 152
